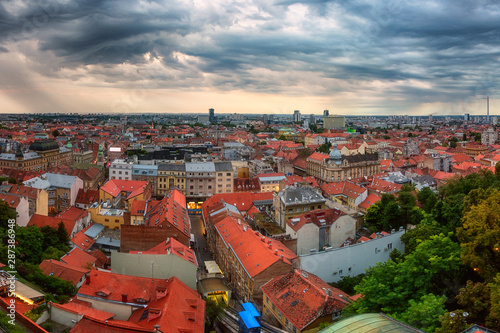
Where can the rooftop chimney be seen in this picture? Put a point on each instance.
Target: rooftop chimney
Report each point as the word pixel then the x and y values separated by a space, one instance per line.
pixel 124 298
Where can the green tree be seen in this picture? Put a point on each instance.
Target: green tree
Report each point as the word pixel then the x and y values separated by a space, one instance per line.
pixel 282 137
pixel 6 214
pixel 55 133
pixel 422 232
pixel 424 313
pixel 480 237
pixel 214 311
pixel 324 148
pixel 453 322
pixel 63 234
pixel 388 287
pixel 475 299
pixel 30 241
pixel 497 169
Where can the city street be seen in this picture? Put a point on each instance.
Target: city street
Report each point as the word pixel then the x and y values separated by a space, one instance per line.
pixel 201 246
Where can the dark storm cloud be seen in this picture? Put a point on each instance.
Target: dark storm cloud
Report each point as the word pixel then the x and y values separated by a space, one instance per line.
pixel 449 46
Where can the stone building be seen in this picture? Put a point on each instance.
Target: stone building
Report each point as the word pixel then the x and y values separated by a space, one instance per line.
pixel 335 167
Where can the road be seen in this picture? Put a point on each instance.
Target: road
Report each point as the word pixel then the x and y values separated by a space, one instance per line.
pixel 201 246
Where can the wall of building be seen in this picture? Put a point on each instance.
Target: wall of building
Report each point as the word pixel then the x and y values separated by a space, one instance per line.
pixel 158 266
pixel 143 238
pixel 122 310
pixel 343 228
pixel 23 212
pixel 333 265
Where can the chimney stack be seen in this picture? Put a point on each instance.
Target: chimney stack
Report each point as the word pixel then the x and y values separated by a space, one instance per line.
pixel 124 298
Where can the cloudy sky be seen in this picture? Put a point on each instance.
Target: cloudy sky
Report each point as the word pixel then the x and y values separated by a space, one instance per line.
pixel 363 57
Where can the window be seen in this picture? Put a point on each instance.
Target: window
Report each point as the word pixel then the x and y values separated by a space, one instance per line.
pixel 389 246
pixel 228 174
pixel 340 271
pixel 220 174
pixel 106 220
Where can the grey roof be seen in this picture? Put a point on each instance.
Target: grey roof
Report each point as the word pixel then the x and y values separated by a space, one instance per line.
pixel 233 145
pixel 200 167
pixel 61 181
pixel 300 195
pixel 94 230
pixel 26 156
pixel 223 166
pixel 108 242
pixel 145 170
pixel 172 167
pixel 368 323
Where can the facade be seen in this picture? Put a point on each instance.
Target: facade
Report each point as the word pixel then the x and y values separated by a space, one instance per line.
pixel 205 179
pixel 83 157
pixel 148 173
pixel 37 198
pixel 299 301
pixel 297 117
pixel 335 167
pixel 167 259
pixel 293 201
pixel 121 169
pixel 489 137
pixel 170 176
pixel 270 182
pixel 351 260
pixel 42 155
pixel 20 205
pixel 62 190
pixel 257 167
pixel 333 122
pixel 321 229
pixel 122 193
pixel 439 162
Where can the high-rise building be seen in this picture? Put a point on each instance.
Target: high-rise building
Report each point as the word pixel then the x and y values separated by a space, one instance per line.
pixel 333 122
pixel 297 116
pixel 312 119
pixel 326 113
pixel 466 117
pixel 211 115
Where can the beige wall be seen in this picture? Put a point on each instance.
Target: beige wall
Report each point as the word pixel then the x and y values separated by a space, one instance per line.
pixel 161 266
pixel 122 311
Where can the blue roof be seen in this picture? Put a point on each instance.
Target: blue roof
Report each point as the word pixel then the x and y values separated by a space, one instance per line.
pixel 250 308
pixel 94 230
pixel 248 319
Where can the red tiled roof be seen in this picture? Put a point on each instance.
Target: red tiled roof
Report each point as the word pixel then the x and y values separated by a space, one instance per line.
pixel 318 156
pixel 181 310
pixel 315 216
pixel 83 241
pixel 246 185
pixel 87 197
pixel 87 325
pixel 10 199
pixel 79 258
pixel 63 270
pixel 170 211
pixel 172 246
pixel 370 200
pixel 115 186
pixel 290 180
pixel 303 297
pixel 111 286
pixel 24 191
pixel 73 214
pixel 87 311
pixel 50 221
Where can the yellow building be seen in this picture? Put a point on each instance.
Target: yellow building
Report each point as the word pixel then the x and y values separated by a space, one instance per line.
pixel 171 175
pixel 335 167
pixel 110 218
pixel 43 155
pixel 293 201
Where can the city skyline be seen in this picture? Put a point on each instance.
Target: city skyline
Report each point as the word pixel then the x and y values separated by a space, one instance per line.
pixel 357 58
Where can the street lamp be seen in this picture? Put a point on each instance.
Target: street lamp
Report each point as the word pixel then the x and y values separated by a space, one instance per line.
pixel 458 322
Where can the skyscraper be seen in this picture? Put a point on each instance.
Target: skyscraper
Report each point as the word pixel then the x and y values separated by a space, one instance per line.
pixel 297 116
pixel 211 115
pixel 326 113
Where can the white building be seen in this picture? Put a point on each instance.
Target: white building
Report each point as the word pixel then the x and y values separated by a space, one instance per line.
pixel 351 260
pixel 121 169
pixel 321 229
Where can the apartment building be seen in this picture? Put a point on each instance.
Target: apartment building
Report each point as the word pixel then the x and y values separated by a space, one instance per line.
pixel 62 190
pixel 171 175
pixel 293 201
pixel 148 173
pixel 205 179
pixel 121 169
